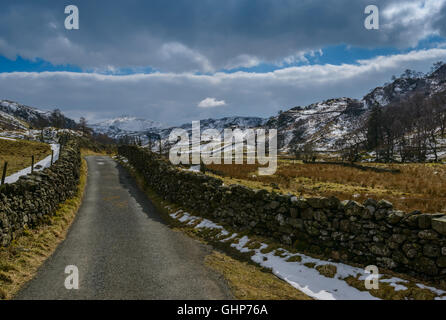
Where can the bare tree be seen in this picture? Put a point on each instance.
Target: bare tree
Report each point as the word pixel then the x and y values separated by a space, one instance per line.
pixel 83 126
pixel 57 119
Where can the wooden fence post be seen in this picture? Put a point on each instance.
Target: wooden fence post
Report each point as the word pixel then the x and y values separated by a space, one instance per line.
pixel 52 156
pixel 32 164
pixel 5 166
pixel 202 167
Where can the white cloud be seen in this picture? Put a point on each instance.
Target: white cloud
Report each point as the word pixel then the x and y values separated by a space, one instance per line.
pixel 410 12
pixel 211 103
pixel 175 53
pixel 243 61
pixel 300 56
pixel 414 20
pixel 172 97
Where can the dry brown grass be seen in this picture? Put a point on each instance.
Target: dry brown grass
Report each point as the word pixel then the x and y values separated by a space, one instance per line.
pixel 388 292
pixel 417 187
pixel 89 152
pixel 18 154
pixel 20 260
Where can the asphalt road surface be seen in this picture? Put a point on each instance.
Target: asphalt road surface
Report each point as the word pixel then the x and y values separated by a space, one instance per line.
pixel 123 250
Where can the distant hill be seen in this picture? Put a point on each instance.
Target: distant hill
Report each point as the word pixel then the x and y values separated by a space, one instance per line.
pixel 325 125
pixel 35 117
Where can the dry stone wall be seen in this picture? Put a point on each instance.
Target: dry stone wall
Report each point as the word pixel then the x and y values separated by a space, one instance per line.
pixel 369 233
pixel 35 197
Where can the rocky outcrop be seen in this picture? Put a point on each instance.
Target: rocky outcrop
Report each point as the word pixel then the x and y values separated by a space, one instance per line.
pixel 35 197
pixel 369 233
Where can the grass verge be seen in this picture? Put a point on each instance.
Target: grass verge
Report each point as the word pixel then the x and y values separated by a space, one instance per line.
pixel 89 152
pixel 19 261
pixel 247 282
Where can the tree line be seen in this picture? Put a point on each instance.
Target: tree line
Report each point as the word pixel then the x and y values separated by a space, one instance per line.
pixel 409 129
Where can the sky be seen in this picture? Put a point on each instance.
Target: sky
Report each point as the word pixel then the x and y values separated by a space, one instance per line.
pixel 174 61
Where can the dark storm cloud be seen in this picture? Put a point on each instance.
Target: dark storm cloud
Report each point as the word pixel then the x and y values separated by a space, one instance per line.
pixel 203 35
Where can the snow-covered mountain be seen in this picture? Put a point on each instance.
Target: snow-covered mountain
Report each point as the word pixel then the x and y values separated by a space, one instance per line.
pixel 323 123
pixel 221 124
pixel 408 84
pixel 143 129
pixel 9 122
pixel 125 125
pixel 326 124
pixel 18 121
pixel 22 122
pixel 33 116
pixel 218 124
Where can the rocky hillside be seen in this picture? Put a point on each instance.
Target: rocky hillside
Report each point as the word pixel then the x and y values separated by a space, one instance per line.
pixel 9 122
pixel 325 124
pixel 125 125
pixel 409 83
pixel 221 124
pixel 18 121
pixel 33 116
pixel 143 130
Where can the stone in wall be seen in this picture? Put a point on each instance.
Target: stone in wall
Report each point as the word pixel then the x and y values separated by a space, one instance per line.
pixel 34 197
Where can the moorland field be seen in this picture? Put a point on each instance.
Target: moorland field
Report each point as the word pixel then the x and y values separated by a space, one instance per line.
pixel 417 186
pixel 18 154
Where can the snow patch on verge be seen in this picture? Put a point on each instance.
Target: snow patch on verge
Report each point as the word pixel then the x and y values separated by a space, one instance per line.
pixel 6 138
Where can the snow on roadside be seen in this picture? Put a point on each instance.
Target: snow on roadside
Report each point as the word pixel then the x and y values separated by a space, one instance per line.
pixel 6 138
pixel 299 274
pixel 437 291
pixel 195 168
pixel 45 163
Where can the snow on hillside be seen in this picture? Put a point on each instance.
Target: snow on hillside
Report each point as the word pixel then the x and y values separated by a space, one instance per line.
pixel 143 129
pixel 125 123
pixel 326 124
pixel 22 111
pixel 405 86
pixel 9 122
pixel 220 124
pixel 323 123
pixel 32 116
pixel 232 122
pixel 15 127
pixel 241 123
